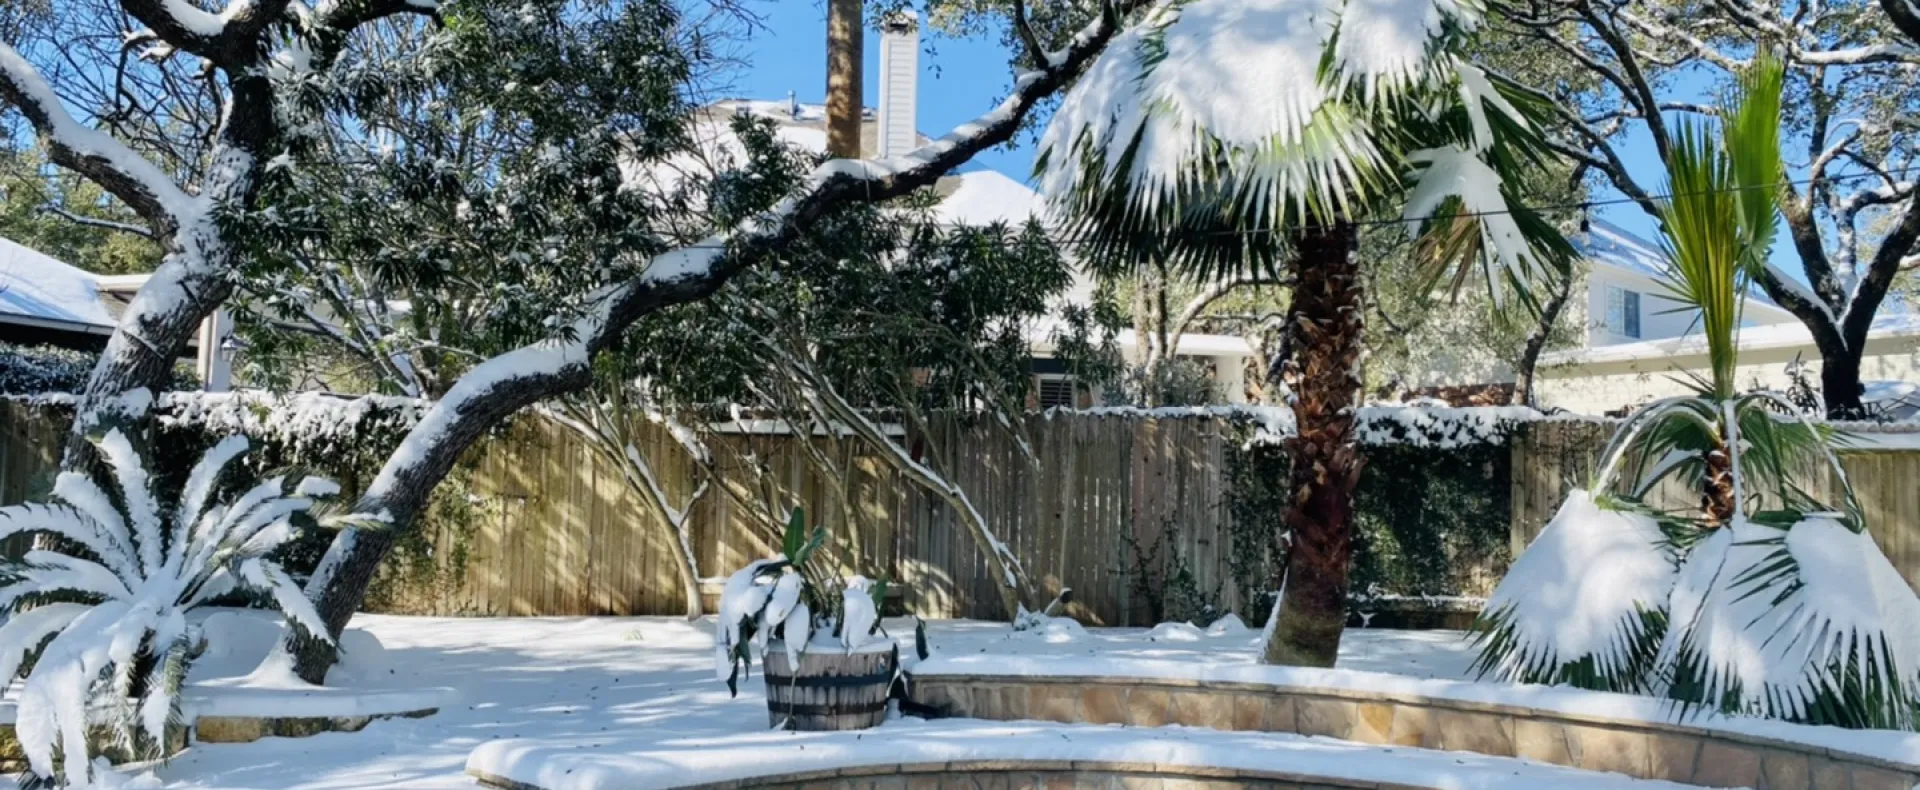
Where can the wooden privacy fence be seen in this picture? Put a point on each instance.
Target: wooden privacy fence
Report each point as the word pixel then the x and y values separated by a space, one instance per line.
pixel 556 531
pixel 569 538
pixel 1883 464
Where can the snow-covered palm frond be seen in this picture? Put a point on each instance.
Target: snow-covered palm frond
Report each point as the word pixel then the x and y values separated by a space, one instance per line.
pixel 106 614
pixel 1213 125
pixel 1453 172
pixel 1584 606
pixel 1809 622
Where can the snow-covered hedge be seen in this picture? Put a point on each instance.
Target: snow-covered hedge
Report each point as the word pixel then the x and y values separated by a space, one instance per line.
pixel 339 437
pixel 1436 427
pixel 32 370
pixel 26 370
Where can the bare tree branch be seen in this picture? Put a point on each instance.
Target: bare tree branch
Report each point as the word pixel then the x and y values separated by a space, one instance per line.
pixel 104 224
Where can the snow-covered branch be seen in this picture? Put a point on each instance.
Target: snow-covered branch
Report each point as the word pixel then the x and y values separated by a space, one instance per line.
pixel 88 151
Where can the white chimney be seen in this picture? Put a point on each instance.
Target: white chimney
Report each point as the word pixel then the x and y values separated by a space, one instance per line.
pixel 899 82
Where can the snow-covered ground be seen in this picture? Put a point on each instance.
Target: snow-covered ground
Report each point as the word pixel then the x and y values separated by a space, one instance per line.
pixel 624 684
pixel 556 692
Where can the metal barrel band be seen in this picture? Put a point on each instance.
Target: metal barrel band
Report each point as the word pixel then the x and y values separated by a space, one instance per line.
pixel 829 681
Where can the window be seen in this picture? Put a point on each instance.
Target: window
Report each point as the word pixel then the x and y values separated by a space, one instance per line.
pixel 1058 391
pixel 1623 311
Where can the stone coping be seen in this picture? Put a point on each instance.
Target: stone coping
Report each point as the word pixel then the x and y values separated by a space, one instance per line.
pixel 915 748
pixel 1887 748
pixel 1011 774
pixel 1648 749
pixel 226 729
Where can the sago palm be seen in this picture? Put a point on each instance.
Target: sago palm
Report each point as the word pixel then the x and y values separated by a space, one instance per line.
pixel 1223 135
pixel 1763 600
pixel 104 618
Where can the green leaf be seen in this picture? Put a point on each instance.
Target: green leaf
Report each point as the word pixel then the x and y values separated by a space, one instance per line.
pixel 796 534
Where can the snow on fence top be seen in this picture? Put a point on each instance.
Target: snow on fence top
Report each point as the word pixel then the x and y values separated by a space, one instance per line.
pixel 312 417
pixel 1381 425
pixel 297 420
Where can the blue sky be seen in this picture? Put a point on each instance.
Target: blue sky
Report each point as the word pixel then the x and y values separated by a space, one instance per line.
pixel 962 78
pixel 959 79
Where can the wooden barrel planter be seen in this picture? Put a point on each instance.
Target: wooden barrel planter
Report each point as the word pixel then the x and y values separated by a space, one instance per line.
pixel 832 690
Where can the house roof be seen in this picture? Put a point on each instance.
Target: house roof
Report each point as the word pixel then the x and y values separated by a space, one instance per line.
pixel 1613 245
pixel 1608 244
pixel 37 289
pixel 984 197
pixel 1790 334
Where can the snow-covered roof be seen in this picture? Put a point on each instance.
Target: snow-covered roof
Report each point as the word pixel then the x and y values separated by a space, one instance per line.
pixel 35 287
pixel 1789 334
pixel 1611 244
pixel 984 197
pixel 1608 244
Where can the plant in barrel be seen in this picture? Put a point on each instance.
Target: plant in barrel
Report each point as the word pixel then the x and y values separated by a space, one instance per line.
pixel 836 667
pixel 1750 595
pixel 788 596
pixel 1236 137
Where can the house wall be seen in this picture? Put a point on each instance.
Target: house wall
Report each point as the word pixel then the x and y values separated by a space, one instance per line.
pixel 1658 316
pixel 1601 387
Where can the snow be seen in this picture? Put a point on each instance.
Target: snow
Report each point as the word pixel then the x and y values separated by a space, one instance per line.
pixel 1579 590
pixel 1438 427
pixel 1224 667
pixel 1845 601
pixel 719 760
pixel 859 614
pixel 137 593
pixel 36 286
pixel 1453 171
pixel 1245 75
pixel 605 685
pixel 1788 334
pixel 544 695
pixel 1176 632
pixel 197 21
pixel 307 419
pixel 986 197
pixel 92 143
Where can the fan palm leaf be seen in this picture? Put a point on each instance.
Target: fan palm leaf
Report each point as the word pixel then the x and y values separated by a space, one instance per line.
pixel 1212 129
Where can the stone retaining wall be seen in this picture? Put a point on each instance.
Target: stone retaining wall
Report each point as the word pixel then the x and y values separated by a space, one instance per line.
pixel 220 729
pixel 1643 749
pixel 1023 775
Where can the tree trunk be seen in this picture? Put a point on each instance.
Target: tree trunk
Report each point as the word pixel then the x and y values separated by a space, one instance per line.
pixel 1717 501
pixel 1523 379
pixel 844 50
pixel 1324 334
pixel 479 401
pixel 1840 384
pixel 690 578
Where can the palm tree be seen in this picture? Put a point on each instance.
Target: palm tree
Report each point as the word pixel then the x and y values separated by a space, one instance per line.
pixel 1228 136
pixel 1764 600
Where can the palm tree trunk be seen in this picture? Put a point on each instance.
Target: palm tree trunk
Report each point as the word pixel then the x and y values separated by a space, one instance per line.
pixel 1718 500
pixel 1324 333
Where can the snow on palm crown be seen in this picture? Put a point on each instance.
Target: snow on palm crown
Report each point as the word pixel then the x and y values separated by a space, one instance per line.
pixel 1227 101
pixel 113 599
